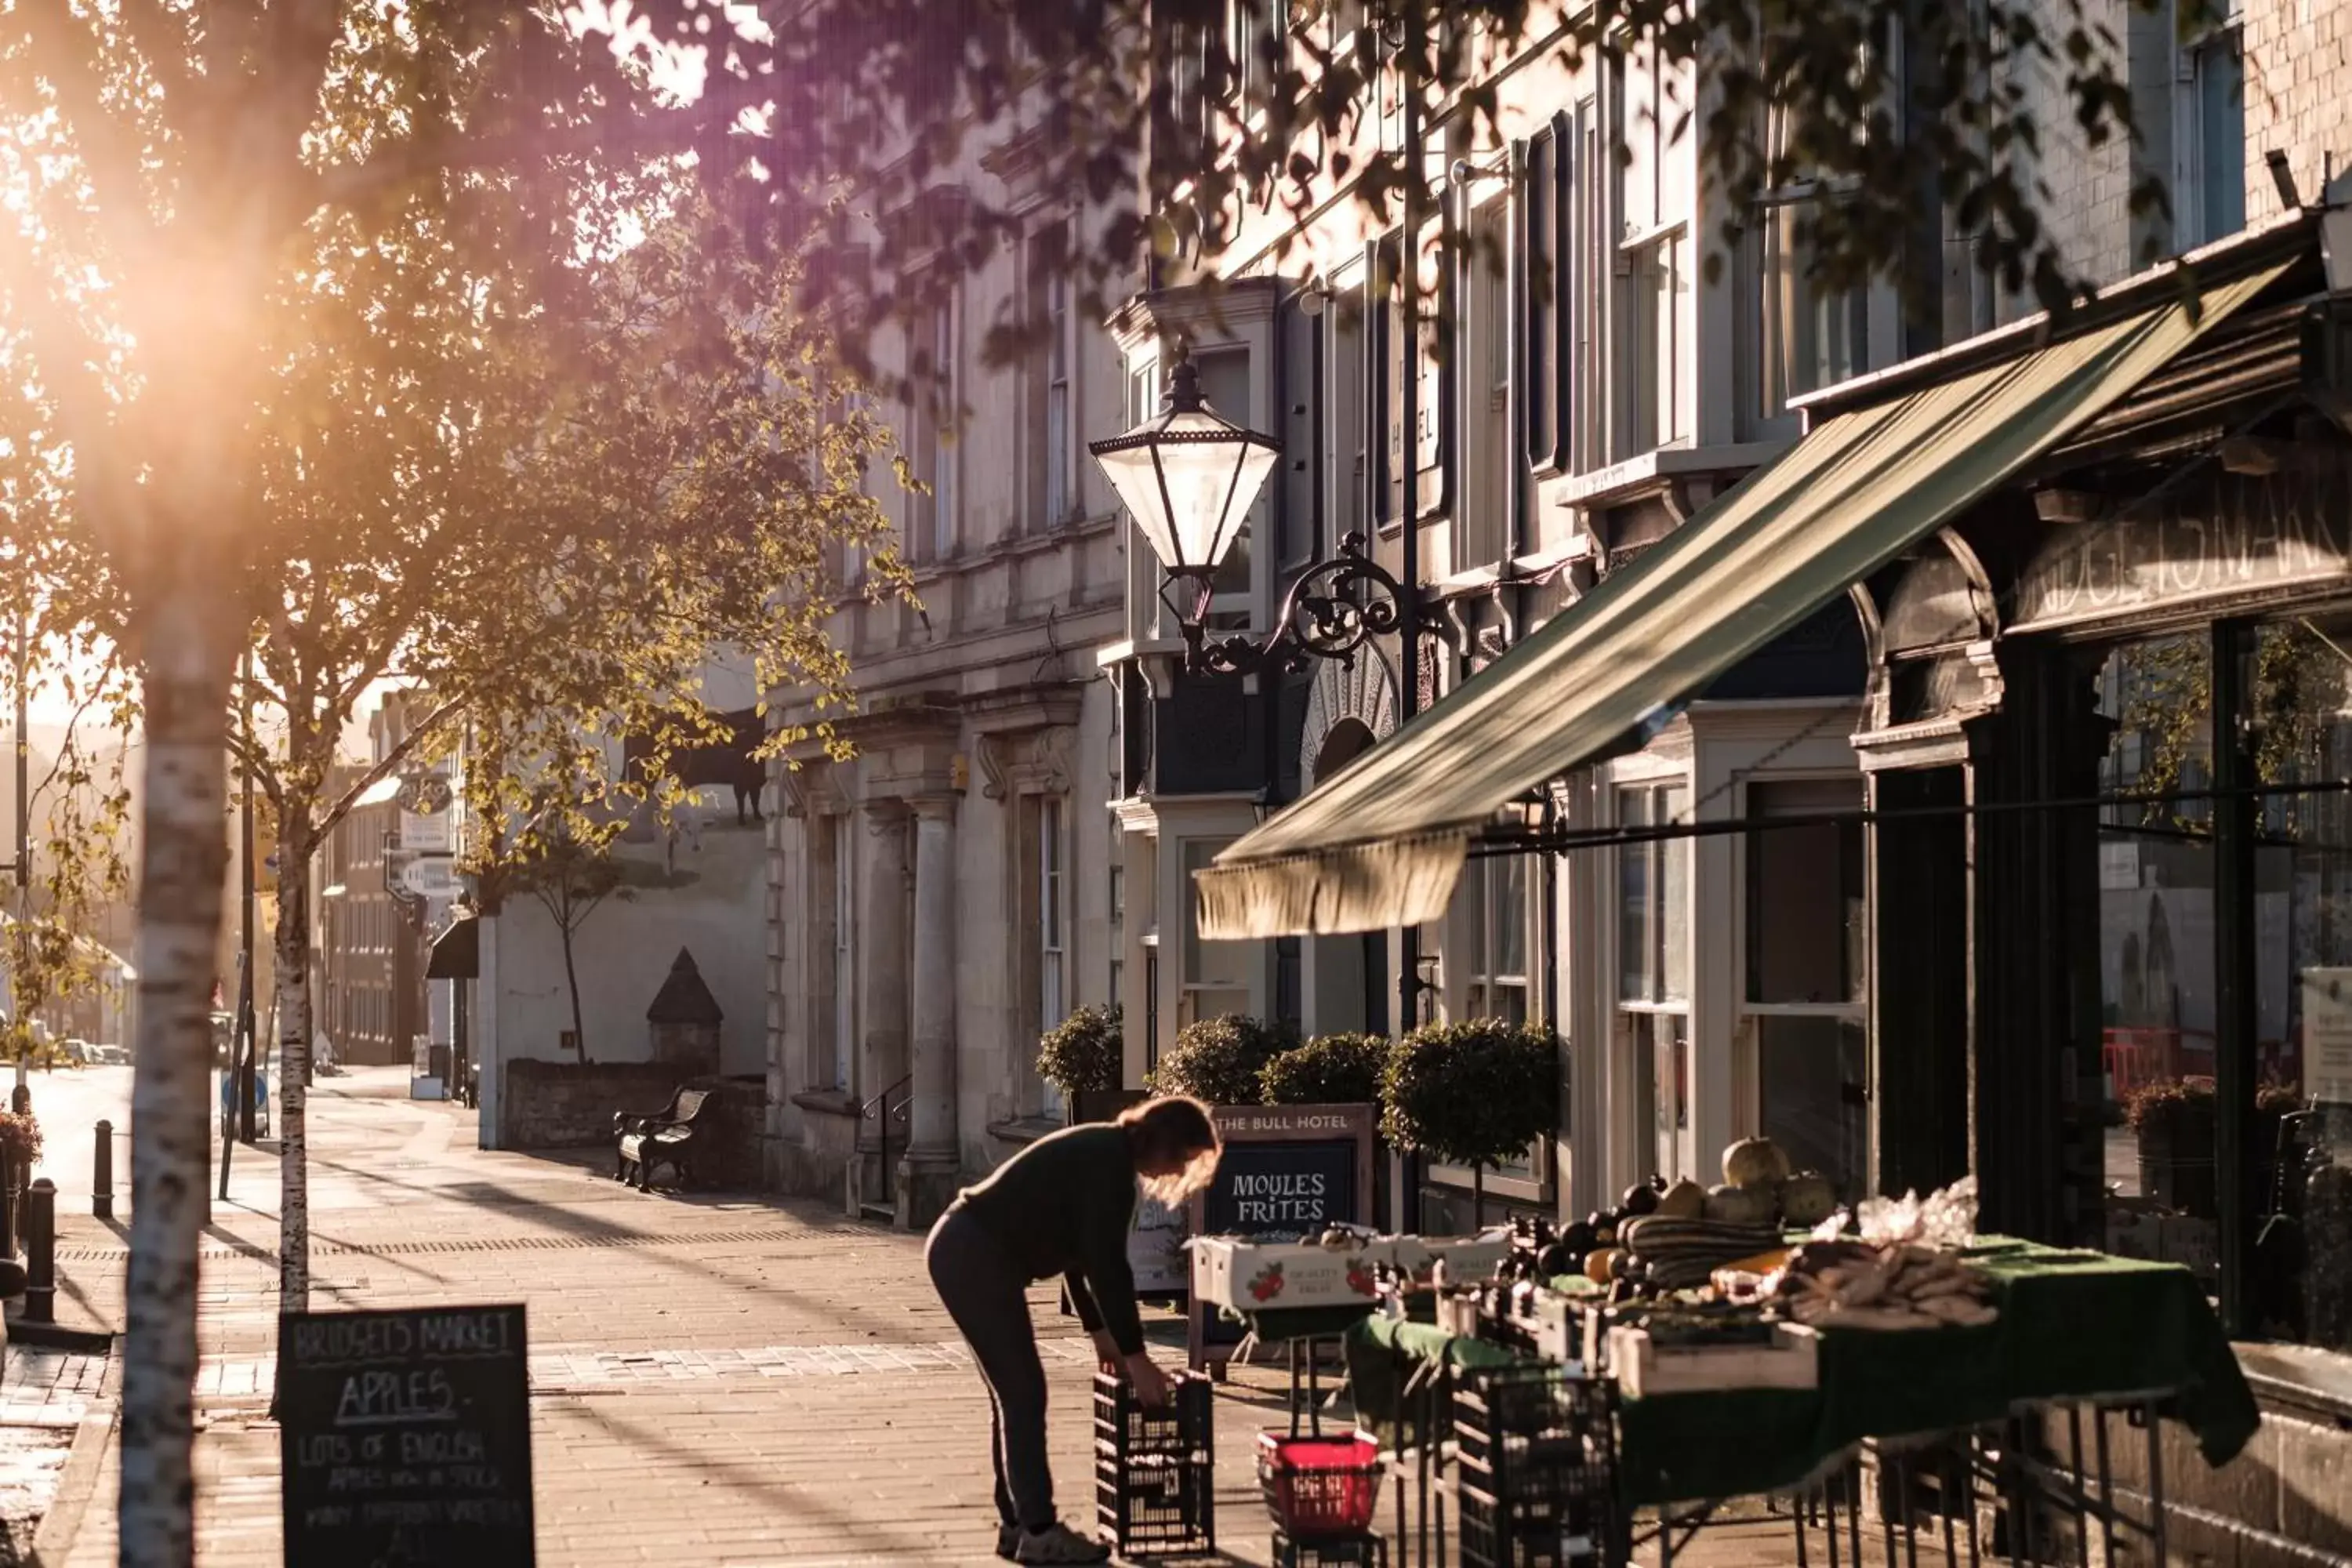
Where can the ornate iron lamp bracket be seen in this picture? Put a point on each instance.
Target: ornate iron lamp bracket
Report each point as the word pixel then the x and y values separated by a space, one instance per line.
pixel 1333 609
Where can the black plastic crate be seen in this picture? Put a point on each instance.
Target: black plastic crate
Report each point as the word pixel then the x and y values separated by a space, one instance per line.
pixel 1330 1551
pixel 1155 1470
pixel 1536 1469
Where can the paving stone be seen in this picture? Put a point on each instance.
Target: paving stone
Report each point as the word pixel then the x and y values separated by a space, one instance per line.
pixel 789 1392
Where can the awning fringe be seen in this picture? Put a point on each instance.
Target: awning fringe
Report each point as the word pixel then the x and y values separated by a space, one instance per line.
pixel 1346 887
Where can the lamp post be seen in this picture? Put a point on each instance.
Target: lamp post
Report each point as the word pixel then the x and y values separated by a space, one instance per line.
pixel 1190 477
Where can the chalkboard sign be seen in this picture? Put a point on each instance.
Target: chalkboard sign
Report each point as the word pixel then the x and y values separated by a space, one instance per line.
pixel 1287 1172
pixel 405 1437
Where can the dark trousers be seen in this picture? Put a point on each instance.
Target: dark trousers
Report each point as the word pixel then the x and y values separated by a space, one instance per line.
pixel 987 1294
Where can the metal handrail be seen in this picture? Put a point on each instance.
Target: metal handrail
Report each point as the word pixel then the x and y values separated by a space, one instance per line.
pixel 880 1109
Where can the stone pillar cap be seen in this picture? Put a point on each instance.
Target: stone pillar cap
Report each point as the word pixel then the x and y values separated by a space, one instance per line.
pixel 684 998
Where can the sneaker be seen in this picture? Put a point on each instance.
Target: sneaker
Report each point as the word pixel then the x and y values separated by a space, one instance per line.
pixel 1008 1541
pixel 1058 1542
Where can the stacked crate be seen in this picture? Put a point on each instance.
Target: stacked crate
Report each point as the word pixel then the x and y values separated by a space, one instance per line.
pixel 1536 1469
pixel 1155 1482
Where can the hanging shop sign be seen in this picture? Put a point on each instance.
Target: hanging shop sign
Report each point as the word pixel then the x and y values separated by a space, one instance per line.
pixel 405 1436
pixel 2227 536
pixel 430 876
pixel 427 826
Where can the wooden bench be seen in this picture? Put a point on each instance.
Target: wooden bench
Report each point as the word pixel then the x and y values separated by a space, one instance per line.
pixel 668 1137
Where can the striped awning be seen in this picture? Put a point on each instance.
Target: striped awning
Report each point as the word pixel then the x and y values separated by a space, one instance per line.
pixel 1382 844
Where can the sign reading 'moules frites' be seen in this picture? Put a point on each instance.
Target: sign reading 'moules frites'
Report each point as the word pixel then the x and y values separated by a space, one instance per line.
pixel 406 1438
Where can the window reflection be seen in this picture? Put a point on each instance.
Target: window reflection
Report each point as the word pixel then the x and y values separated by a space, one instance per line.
pixel 2158 951
pixel 2301 731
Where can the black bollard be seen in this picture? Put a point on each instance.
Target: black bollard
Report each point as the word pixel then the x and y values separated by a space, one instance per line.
pixel 101 1172
pixel 10 1211
pixel 41 1252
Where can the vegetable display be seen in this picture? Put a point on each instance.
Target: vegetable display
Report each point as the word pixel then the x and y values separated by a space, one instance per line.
pixel 1892 1286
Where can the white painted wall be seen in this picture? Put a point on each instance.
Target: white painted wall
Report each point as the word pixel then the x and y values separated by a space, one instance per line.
pixel 624 952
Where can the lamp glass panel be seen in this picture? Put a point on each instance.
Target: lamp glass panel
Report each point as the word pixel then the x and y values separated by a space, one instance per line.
pixel 1209 487
pixel 1135 476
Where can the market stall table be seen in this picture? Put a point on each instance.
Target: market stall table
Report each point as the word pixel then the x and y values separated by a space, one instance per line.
pixel 2074 1328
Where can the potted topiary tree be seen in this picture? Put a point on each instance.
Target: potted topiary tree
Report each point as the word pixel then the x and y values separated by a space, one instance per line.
pixel 1218 1060
pixel 1329 1069
pixel 2173 1123
pixel 1082 1056
pixel 1334 1070
pixel 1476 1094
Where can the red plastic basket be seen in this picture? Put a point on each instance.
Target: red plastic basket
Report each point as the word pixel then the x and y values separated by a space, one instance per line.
pixel 1320 1487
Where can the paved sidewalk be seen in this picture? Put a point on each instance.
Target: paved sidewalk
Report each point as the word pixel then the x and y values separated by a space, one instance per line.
pixel 715 1381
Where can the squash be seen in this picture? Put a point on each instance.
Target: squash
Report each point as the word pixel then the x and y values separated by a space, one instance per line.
pixel 1807 1199
pixel 1755 1163
pixel 1685 1200
pixel 1756 1205
pixel 1601 1265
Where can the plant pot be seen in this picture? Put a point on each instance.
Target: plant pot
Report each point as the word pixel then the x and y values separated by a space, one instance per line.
pixel 2176 1165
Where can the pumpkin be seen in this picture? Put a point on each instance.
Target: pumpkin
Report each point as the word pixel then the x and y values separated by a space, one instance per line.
pixel 1601 1265
pixel 1755 1163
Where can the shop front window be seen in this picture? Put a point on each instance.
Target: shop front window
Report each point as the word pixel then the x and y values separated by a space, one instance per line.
pixel 1654 968
pixel 1494 899
pixel 1216 974
pixel 1806 1004
pixel 1491 917
pixel 2300 1275
pixel 2156 890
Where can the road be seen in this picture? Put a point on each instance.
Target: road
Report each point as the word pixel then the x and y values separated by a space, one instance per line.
pixel 69 1103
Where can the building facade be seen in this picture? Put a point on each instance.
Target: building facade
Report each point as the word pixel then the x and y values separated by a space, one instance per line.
pixel 369 1000
pixel 1622 364
pixel 1972 776
pixel 931 907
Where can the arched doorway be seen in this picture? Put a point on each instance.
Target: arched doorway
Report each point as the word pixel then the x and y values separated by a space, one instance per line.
pixel 1345 742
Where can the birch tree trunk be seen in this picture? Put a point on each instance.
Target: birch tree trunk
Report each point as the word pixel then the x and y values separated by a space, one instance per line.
pixel 183 863
pixel 292 955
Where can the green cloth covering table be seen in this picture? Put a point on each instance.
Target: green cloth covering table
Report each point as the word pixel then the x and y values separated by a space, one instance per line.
pixel 2072 1325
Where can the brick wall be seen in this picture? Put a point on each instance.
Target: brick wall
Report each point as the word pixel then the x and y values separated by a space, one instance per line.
pixel 563 1105
pixel 2085 202
pixel 566 1105
pixel 2298 93
pixel 2279 1504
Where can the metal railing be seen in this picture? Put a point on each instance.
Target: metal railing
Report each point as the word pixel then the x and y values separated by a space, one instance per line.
pixel 880 1109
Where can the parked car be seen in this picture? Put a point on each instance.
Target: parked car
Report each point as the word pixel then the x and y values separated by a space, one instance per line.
pixel 110 1056
pixel 76 1052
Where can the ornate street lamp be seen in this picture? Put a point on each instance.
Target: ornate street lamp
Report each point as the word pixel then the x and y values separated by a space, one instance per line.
pixel 1190 477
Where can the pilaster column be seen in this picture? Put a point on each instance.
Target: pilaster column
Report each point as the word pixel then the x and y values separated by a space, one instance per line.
pixel 882 958
pixel 933 1156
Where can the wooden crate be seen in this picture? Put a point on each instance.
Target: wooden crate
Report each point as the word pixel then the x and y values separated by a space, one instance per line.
pixel 1644 1368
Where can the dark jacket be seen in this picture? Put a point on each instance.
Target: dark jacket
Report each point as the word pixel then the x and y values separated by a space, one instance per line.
pixel 1064 1205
